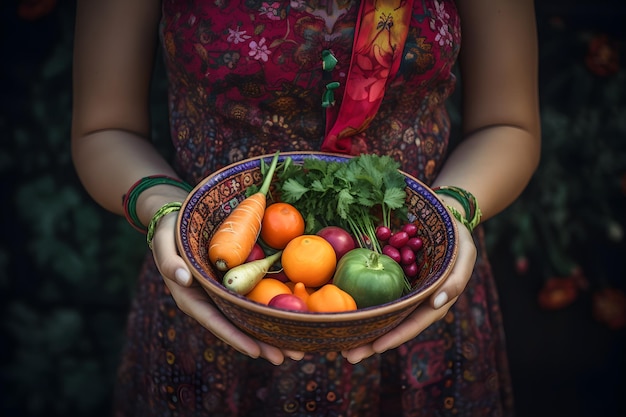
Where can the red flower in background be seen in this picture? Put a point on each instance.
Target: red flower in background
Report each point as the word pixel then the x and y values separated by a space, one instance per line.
pixel 609 307
pixel 558 293
pixel 521 265
pixel 602 56
pixel 35 9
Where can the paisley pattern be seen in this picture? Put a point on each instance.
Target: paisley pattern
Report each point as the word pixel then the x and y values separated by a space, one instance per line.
pixel 246 79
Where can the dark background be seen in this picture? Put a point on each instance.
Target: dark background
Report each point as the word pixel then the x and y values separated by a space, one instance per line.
pixel 67 268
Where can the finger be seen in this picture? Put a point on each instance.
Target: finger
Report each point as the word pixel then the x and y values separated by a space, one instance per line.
pixel 295 355
pixel 423 316
pixel 358 353
pixel 194 302
pixel 165 253
pixel 271 353
pixel 461 273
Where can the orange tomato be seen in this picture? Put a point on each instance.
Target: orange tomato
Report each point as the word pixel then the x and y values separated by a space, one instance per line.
pixel 281 223
pixel 266 289
pixel 330 299
pixel 309 259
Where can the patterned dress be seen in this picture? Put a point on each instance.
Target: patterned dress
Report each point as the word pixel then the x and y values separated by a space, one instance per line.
pixel 246 79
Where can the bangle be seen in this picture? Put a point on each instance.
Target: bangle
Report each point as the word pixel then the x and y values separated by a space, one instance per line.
pixel 130 198
pixel 166 209
pixel 468 202
pixel 457 215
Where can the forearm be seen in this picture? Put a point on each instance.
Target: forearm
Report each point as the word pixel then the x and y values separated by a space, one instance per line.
pixel 114 49
pixel 500 122
pixel 494 164
pixel 109 162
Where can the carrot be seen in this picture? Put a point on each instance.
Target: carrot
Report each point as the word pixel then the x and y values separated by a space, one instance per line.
pixel 233 241
pixel 243 278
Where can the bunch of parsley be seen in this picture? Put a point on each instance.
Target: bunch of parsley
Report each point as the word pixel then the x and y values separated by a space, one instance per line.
pixel 357 195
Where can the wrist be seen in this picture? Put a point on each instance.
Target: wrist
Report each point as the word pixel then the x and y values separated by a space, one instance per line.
pixel 148 194
pixel 164 210
pixel 462 205
pixel 150 201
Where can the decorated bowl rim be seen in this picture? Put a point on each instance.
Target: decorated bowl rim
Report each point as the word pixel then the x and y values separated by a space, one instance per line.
pixel 215 288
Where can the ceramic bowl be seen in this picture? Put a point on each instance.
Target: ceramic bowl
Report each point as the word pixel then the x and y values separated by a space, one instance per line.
pixel 215 197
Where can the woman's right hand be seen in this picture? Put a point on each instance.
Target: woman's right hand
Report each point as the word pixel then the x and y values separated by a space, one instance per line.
pixel 193 300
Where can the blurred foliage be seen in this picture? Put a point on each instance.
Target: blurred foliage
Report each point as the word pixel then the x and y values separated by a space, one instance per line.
pixel 67 268
pixel 568 225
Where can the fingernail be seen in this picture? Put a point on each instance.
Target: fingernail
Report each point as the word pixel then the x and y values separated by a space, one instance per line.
pixel 440 300
pixel 182 276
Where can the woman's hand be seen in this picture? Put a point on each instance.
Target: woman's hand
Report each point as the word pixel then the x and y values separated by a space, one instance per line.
pixel 426 313
pixel 192 299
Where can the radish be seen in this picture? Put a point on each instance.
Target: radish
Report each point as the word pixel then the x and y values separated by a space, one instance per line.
pixel 256 253
pixel 410 229
pixel 411 270
pixel 383 233
pixel 415 243
pixel 392 252
pixel 399 239
pixel 407 256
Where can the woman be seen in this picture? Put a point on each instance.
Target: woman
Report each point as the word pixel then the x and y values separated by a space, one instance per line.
pixel 246 78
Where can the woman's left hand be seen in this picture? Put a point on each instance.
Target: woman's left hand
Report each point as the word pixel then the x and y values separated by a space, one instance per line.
pixel 428 312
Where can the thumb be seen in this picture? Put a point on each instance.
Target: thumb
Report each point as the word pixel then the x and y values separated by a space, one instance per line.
pixel 165 253
pixel 461 272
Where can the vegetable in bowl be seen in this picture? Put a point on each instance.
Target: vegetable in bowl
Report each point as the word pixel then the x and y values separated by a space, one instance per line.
pixel 344 193
pixel 370 278
pixel 213 199
pixel 348 203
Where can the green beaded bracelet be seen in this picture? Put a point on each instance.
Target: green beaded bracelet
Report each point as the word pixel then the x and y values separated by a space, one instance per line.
pixel 166 209
pixel 468 202
pixel 130 198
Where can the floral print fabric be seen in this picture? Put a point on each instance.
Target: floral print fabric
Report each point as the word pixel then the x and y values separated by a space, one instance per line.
pixel 379 38
pixel 246 79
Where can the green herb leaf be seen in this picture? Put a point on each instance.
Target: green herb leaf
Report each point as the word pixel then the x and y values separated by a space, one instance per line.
pixel 346 194
pixel 292 190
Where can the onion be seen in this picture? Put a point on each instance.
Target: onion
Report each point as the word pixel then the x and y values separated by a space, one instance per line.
pixel 341 241
pixel 288 302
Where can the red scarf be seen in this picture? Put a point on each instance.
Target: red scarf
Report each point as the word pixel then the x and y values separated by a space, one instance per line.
pixel 380 34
